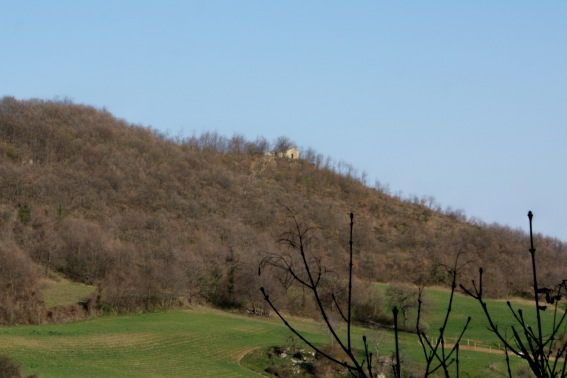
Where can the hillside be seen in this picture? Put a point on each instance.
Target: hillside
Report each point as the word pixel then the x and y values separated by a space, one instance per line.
pixel 158 222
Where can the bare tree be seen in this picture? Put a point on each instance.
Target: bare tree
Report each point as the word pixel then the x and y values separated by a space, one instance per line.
pixel 308 274
pixel 282 144
pixel 546 354
pixel 258 147
pixel 308 271
pixel 403 297
pixel 438 355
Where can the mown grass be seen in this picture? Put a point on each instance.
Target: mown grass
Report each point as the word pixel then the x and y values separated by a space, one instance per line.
pixel 195 343
pixel 436 301
pixel 464 306
pixel 481 351
pixel 210 343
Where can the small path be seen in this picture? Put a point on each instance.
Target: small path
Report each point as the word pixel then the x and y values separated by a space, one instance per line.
pixel 481 349
pixel 244 353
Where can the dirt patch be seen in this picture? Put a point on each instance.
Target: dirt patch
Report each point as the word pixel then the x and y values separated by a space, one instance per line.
pixel 64 342
pixel 481 349
pixel 241 355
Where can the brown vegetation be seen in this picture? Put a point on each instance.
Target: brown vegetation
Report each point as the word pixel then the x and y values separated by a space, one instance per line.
pixel 156 222
pixel 10 369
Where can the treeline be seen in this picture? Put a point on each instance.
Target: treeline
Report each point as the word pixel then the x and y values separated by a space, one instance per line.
pixel 156 221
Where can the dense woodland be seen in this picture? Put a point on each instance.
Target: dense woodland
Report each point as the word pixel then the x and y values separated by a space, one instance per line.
pixel 154 221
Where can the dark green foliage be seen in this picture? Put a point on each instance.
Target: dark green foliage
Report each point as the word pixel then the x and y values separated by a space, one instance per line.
pixel 24 212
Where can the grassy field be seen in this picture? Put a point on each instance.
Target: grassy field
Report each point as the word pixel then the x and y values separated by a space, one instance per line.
pixel 59 291
pixel 197 343
pixel 210 343
pixel 437 300
pixel 169 344
pixel 478 332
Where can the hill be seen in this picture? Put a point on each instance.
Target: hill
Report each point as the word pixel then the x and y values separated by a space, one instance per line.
pixel 152 221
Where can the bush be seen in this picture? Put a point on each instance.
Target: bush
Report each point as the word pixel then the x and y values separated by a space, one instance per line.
pixel 10 369
pixel 367 305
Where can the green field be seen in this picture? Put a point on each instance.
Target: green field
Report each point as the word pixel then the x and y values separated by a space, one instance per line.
pixel 464 306
pixel 211 343
pixel 169 344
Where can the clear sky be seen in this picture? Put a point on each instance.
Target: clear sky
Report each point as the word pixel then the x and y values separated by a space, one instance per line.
pixel 465 101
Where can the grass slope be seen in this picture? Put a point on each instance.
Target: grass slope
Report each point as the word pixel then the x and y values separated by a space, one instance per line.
pixel 437 299
pixel 478 332
pixel 210 343
pixel 59 291
pixel 169 344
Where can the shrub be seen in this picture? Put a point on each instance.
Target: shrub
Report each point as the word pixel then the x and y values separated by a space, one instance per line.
pixel 10 369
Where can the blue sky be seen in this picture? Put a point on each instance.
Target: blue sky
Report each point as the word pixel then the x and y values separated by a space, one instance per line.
pixel 462 101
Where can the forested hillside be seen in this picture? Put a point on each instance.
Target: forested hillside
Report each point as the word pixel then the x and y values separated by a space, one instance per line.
pixel 154 222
